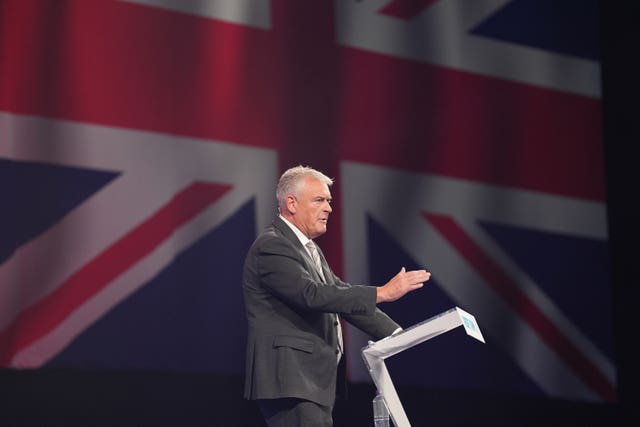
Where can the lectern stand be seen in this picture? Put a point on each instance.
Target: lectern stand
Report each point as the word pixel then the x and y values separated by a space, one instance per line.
pixel 375 353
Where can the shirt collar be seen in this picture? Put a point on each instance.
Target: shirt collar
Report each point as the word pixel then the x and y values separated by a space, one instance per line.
pixel 303 239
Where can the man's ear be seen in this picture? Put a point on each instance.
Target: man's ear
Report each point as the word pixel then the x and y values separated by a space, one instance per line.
pixel 291 204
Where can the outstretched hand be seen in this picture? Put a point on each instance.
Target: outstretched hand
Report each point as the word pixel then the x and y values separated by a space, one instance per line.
pixel 401 284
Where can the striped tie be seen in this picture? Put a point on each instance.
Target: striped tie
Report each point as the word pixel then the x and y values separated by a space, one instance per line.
pixel 313 251
pixel 316 258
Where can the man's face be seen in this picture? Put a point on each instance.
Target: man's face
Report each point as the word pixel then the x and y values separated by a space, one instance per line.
pixel 311 208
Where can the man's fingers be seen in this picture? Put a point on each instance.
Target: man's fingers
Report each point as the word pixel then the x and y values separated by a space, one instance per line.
pixel 418 276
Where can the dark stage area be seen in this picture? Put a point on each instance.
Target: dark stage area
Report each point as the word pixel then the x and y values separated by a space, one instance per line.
pixel 76 398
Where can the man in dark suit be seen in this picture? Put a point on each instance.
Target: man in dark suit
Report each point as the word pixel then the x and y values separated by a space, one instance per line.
pixel 293 300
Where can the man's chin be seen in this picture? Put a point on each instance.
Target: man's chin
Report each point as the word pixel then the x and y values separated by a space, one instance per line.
pixel 320 231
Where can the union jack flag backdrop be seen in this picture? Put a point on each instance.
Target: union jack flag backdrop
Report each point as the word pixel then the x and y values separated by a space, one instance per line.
pixel 141 140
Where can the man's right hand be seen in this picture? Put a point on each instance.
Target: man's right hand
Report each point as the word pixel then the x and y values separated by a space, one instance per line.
pixel 401 284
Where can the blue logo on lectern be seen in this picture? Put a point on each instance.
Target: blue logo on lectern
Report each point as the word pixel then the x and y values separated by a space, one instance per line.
pixel 468 323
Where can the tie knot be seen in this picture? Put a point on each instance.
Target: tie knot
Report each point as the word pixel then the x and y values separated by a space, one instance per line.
pixel 311 246
pixel 313 251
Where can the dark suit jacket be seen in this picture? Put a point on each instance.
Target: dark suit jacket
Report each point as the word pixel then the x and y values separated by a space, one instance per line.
pixel 291 343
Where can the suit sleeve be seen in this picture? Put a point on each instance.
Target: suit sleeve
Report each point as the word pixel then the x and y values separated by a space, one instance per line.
pixel 282 269
pixel 377 326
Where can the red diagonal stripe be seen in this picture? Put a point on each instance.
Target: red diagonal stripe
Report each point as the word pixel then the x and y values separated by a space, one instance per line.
pixel 44 316
pixel 520 302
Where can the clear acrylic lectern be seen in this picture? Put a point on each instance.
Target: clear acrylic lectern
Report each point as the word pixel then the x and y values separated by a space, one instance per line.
pixel 375 353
